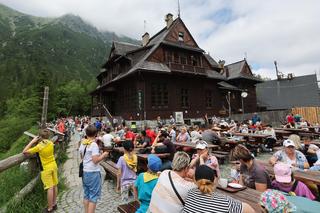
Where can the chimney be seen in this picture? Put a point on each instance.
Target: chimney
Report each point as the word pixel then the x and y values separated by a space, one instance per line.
pixel 145 39
pixel 221 65
pixel 169 19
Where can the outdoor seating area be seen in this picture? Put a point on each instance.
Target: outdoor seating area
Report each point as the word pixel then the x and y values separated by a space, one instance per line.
pixel 166 140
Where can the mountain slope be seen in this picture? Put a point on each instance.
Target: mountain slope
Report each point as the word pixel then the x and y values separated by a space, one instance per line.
pixel 65 48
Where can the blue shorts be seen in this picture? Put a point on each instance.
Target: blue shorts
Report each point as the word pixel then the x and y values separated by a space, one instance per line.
pixel 91 182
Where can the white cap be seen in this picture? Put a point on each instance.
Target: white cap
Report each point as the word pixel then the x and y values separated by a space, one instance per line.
pixel 288 142
pixel 201 145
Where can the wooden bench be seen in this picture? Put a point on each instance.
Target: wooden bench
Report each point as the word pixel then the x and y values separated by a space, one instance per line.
pixel 131 207
pixel 111 168
pixel 221 152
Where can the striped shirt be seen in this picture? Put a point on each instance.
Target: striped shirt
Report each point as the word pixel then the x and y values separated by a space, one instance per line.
pixel 197 202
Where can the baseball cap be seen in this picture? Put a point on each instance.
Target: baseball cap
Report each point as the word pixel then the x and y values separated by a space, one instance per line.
pixel 201 144
pixel 154 163
pixel 288 142
pixel 282 172
pixel 205 172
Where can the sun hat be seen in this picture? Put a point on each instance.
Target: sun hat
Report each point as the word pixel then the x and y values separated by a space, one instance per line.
pixel 282 172
pixel 205 172
pixel 201 144
pixel 275 202
pixel 154 163
pixel 287 143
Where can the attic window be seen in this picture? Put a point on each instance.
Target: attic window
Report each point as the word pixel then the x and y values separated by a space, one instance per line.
pixel 181 35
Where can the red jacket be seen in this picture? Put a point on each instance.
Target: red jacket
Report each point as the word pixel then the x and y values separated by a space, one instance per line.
pixel 151 134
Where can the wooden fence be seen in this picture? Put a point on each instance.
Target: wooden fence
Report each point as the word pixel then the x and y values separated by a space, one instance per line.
pixel 19 158
pixel 311 114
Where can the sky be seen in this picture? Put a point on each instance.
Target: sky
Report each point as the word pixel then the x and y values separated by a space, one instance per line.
pixel 261 31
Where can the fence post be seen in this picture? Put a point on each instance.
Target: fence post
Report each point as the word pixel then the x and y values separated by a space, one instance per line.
pixel 44 108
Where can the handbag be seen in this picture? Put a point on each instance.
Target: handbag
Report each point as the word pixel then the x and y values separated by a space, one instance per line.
pixel 174 189
pixel 81 164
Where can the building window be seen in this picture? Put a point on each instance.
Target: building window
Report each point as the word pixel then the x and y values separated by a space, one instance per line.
pixel 209 98
pixel 159 95
pixel 183 58
pixel 184 98
pixel 181 36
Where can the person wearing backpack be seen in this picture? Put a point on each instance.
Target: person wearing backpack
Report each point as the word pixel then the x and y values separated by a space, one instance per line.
pixel 49 170
pixel 284 181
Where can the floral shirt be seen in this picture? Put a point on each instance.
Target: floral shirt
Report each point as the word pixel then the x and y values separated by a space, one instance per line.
pixel 283 157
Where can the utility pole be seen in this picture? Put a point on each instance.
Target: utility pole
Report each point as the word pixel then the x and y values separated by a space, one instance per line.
pixel 44 108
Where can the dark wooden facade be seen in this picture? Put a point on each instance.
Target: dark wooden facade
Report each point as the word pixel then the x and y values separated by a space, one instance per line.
pixel 169 73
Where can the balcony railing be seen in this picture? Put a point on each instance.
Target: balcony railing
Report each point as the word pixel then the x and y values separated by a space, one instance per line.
pixel 186 68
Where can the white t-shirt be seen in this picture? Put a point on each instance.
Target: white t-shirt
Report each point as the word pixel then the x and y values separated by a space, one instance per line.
pixel 92 150
pixel 107 139
pixel 164 199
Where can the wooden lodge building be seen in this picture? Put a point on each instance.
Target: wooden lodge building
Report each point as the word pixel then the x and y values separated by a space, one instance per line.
pixel 169 73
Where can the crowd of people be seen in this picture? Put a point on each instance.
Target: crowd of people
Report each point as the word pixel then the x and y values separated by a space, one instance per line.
pixel 185 181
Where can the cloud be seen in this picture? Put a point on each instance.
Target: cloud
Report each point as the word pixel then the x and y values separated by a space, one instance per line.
pixel 287 31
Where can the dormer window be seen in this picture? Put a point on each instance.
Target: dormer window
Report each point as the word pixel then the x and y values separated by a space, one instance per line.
pixel 181 35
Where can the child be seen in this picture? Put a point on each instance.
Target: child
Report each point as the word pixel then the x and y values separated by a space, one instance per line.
pixel 49 169
pixel 91 179
pixel 146 182
pixel 285 182
pixel 127 168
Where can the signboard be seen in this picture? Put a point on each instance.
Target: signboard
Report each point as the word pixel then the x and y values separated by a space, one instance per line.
pixel 140 100
pixel 179 117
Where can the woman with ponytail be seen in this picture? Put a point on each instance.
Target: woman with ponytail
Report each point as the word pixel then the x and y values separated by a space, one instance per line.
pixel 205 199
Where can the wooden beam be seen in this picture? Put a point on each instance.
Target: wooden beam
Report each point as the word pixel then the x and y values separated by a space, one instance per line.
pixel 55 131
pixel 29 134
pixel 44 108
pixel 13 161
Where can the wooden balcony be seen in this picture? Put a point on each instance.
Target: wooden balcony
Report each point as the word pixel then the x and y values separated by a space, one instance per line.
pixel 186 68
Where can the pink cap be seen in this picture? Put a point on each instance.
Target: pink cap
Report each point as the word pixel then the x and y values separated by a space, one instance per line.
pixel 282 172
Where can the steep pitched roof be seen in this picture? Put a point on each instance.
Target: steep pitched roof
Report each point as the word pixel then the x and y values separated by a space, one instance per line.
pixel 121 48
pixel 236 70
pixel 225 85
pixel 211 60
pixel 154 42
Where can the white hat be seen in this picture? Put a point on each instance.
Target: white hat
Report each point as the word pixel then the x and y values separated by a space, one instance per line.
pixel 201 145
pixel 288 142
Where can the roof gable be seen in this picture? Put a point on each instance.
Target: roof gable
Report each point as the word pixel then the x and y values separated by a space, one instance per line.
pixel 121 48
pixel 179 27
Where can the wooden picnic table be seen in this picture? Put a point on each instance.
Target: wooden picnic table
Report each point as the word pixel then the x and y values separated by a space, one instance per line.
pixel 304 176
pixel 258 136
pixel 120 150
pixel 193 145
pixel 160 155
pixel 247 195
pixel 301 132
